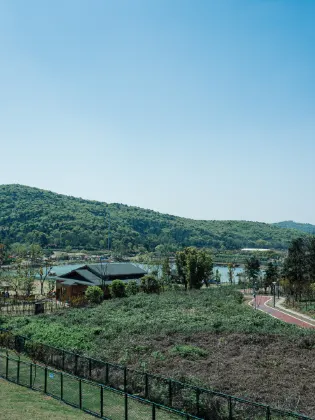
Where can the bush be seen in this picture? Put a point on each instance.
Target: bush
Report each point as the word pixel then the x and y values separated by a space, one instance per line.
pixel 94 294
pixel 189 352
pixel 118 289
pixel 78 301
pixel 150 284
pixel 132 288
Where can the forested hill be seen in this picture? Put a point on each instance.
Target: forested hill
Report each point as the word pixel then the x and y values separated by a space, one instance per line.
pixel 303 227
pixel 32 215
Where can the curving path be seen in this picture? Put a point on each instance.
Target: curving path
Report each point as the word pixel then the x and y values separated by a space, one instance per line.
pixel 261 304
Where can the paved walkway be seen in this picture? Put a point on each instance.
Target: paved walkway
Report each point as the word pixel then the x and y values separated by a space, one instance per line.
pixel 261 304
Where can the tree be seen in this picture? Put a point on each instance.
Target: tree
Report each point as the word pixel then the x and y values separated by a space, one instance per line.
pixel 271 275
pixel 94 294
pixel 194 267
pixel 295 267
pixel 252 268
pixel 166 272
pixel 231 272
pixel 150 284
pixel 44 273
pixel 217 276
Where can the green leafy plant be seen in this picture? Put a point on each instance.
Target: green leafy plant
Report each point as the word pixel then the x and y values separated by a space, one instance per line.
pixel 94 294
pixel 118 289
pixel 150 284
pixel 132 288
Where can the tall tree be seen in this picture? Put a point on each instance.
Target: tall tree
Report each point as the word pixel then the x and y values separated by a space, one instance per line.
pixel 231 272
pixel 271 275
pixel 295 267
pixel 194 267
pixel 252 268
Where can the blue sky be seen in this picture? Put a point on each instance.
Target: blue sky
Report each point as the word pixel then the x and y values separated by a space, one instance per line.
pixel 199 108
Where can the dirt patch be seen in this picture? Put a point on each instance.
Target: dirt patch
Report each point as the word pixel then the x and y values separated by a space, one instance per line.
pixel 268 369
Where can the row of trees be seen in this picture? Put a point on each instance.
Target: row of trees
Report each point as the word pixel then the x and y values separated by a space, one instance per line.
pixel 29 265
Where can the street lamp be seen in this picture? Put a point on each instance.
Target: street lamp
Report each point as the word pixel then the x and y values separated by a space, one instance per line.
pixel 274 293
pixel 254 293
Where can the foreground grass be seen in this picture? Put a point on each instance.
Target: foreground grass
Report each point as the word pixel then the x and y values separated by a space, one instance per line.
pixel 17 402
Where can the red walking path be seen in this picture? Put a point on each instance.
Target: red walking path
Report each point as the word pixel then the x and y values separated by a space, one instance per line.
pixel 261 304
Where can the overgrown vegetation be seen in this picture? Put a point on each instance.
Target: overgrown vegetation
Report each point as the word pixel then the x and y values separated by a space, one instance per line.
pixel 108 330
pixel 31 215
pixel 206 337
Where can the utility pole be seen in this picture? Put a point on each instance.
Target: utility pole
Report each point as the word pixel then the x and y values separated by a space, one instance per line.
pixel 274 293
pixel 254 294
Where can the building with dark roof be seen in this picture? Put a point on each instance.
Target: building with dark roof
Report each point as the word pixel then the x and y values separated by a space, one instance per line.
pixel 75 282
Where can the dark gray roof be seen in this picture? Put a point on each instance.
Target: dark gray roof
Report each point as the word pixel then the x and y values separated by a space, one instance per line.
pixel 92 274
pixel 88 275
pixel 116 269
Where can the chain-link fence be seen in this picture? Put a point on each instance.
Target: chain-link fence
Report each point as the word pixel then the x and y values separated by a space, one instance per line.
pixel 96 399
pixel 205 403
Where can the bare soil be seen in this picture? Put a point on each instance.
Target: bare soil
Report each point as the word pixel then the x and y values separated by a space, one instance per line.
pixel 269 369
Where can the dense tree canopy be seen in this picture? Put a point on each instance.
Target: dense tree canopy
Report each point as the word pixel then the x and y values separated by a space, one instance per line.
pixel 30 215
pixel 194 267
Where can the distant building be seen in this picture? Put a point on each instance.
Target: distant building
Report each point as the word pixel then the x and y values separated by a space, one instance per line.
pixel 256 249
pixel 75 282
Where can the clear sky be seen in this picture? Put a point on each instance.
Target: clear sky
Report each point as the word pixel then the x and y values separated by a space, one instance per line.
pixel 199 108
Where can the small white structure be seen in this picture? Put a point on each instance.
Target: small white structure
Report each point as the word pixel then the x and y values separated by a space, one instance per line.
pixel 256 249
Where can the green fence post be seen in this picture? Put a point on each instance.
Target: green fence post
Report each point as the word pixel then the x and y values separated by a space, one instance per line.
pixel 18 372
pixel 125 379
pixel 153 411
pixel 76 365
pixel 63 360
pixel 61 385
pixel 268 416
pixel 45 385
pixel 90 368
pixel 31 376
pixel 106 373
pixel 126 407
pixel 102 401
pixel 230 408
pixel 80 394
pixel 170 393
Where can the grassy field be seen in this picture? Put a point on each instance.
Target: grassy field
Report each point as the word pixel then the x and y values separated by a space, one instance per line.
pixel 206 337
pixel 113 401
pixel 18 403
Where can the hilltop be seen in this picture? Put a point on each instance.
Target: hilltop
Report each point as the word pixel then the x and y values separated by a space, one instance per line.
pixel 303 227
pixel 33 215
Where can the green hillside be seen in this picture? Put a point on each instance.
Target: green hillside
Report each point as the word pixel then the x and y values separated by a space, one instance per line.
pixel 303 227
pixel 32 215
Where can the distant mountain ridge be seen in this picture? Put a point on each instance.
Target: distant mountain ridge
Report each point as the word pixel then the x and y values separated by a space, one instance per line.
pixel 32 215
pixel 303 227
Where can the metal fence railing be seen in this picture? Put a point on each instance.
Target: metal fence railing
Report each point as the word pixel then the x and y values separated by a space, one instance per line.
pixel 24 308
pixel 205 403
pixel 96 399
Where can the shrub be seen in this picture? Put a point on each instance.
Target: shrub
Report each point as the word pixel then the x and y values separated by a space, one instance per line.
pixel 94 294
pixel 150 284
pixel 189 352
pixel 78 301
pixel 132 288
pixel 118 289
